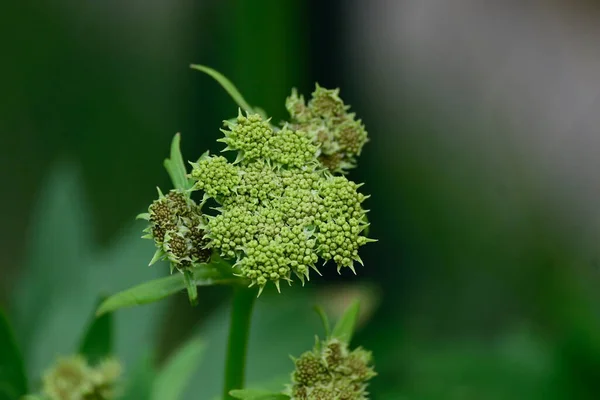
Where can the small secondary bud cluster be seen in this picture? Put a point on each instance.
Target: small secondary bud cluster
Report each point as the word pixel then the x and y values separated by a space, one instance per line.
pixel 331 372
pixel 326 119
pixel 279 210
pixel 176 228
pixel 73 378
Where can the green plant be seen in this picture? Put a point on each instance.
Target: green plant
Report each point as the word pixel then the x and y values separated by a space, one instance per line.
pixel 269 214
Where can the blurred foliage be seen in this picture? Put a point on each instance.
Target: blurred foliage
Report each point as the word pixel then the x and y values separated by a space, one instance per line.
pixel 484 294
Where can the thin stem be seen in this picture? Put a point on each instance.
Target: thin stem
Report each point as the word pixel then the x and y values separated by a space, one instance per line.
pixel 237 343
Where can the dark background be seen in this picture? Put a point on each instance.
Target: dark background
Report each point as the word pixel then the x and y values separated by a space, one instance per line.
pixel 481 166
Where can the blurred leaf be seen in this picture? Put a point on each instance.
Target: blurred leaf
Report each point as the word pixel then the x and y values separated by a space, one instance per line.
pixel 140 380
pixel 64 276
pixel 176 167
pixel 175 375
pixel 324 319
pixel 344 328
pixel 159 289
pixel 281 325
pixel 13 380
pixel 97 343
pixel 257 394
pixel 226 84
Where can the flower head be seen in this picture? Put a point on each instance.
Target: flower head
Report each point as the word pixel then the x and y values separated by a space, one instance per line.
pixel 176 228
pixel 72 378
pixel 326 119
pixel 279 211
pixel 331 372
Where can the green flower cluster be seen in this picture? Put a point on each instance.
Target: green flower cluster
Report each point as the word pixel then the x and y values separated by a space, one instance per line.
pixel 326 119
pixel 176 228
pixel 331 372
pixel 72 378
pixel 279 210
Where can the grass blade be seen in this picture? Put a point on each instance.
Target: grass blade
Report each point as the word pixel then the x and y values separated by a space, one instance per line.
pixel 226 84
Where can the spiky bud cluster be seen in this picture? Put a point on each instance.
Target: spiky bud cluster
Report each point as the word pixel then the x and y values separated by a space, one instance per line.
pixel 72 378
pixel 331 372
pixel 176 227
pixel 279 210
pixel 326 119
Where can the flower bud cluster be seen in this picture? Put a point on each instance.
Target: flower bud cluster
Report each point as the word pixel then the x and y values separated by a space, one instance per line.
pixel 326 119
pixel 254 138
pixel 73 378
pixel 331 372
pixel 279 211
pixel 176 228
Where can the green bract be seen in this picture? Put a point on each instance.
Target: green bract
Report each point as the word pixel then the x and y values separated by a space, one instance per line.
pixel 279 210
pixel 330 371
pixel 328 123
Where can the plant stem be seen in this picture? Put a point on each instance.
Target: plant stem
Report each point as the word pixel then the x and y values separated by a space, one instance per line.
pixel 237 342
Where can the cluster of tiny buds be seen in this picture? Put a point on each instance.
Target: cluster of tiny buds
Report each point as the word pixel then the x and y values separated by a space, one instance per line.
pixel 74 378
pixel 331 372
pixel 176 227
pixel 279 210
pixel 325 117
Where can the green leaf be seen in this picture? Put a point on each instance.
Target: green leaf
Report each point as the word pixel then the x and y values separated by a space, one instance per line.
pixel 257 394
pixel 13 381
pixel 190 285
pixel 158 289
pixel 324 319
pixel 175 375
pixel 97 343
pixel 176 167
pixel 344 328
pixel 226 84
pixel 140 379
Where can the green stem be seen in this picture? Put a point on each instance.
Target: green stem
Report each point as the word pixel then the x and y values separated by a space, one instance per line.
pixel 237 343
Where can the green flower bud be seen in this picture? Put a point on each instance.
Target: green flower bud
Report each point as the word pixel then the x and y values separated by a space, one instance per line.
pixel 72 378
pixel 339 135
pixel 176 223
pixel 279 212
pixel 331 372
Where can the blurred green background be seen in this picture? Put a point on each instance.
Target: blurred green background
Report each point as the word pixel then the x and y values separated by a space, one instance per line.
pixel 483 284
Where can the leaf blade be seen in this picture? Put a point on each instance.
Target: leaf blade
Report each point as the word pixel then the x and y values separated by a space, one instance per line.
pixel 324 319
pixel 257 394
pixel 12 368
pixel 158 289
pixel 175 375
pixel 97 342
pixel 344 327
pixel 226 84
pixel 176 167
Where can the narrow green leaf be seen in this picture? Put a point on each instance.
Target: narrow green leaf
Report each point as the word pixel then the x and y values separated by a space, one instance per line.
pixel 324 319
pixel 97 342
pixel 140 379
pixel 13 381
pixel 158 289
pixel 176 167
pixel 226 84
pixel 175 375
pixel 190 285
pixel 257 394
pixel 344 328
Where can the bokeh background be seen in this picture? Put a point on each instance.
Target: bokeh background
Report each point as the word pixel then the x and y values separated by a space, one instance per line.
pixel 482 166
